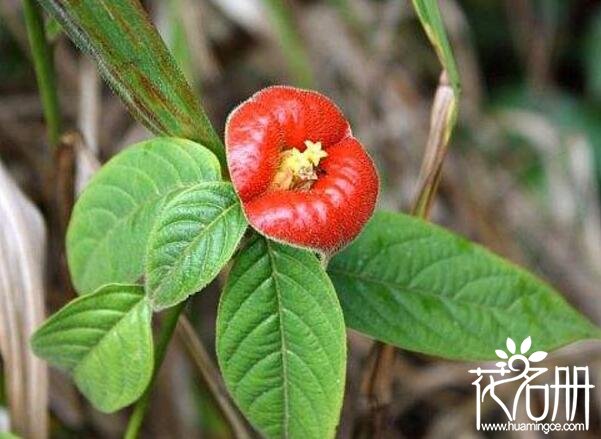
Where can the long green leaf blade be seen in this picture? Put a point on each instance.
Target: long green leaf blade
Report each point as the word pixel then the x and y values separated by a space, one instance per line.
pixel 417 286
pixel 133 59
pixel 105 340
pixel 281 342
pixel 431 19
pixel 111 221
pixel 193 238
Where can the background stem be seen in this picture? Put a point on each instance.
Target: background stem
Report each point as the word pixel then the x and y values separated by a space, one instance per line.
pixel 165 334
pixel 44 68
pixel 212 379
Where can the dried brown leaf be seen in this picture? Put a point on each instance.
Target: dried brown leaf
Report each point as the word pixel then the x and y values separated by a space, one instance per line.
pixel 22 249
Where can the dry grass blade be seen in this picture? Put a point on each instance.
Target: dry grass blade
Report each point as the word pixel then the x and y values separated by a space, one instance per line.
pixel 86 161
pixel 89 103
pixel 443 110
pixel 22 242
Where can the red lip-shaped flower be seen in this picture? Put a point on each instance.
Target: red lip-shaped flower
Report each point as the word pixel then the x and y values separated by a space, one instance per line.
pixel 301 175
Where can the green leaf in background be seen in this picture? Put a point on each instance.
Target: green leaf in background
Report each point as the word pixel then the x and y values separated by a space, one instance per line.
pixel 281 342
pixel 193 238
pixel 108 232
pixel 417 286
pixel 133 59
pixel 105 340
pixel 429 15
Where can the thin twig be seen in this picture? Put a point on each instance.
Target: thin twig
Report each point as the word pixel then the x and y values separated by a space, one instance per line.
pixel 212 378
pixel 60 198
pixel 44 68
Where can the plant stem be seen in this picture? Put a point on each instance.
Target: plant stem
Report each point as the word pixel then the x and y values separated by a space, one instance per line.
pixel 324 260
pixel 167 328
pixel 212 379
pixel 44 68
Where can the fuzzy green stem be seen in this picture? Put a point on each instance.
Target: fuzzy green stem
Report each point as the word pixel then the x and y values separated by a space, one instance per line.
pixel 44 68
pixel 164 337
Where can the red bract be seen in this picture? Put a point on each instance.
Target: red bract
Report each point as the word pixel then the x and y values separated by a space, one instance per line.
pixel 301 175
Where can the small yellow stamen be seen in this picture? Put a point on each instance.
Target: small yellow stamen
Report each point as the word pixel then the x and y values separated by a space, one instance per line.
pixel 314 152
pixel 299 168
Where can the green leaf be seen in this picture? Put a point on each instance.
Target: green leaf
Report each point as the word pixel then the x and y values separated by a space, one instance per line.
pixel 417 286
pixel 105 340
pixel 111 221
pixel 133 59
pixel 281 342
pixel 431 19
pixel 193 238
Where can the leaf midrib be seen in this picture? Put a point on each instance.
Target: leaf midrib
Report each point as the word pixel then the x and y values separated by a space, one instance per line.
pixel 117 322
pixel 439 297
pixel 200 236
pixel 585 331
pixel 282 339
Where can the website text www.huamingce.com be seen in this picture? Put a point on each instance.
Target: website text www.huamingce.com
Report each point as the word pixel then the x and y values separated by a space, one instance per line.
pixel 545 427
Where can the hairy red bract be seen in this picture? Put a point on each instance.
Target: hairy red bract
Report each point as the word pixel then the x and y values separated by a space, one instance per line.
pixel 330 209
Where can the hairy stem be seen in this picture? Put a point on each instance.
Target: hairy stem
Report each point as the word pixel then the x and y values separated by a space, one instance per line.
pixel 44 68
pixel 166 332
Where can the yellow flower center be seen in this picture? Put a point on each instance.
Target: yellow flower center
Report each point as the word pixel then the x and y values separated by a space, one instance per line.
pixel 298 170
